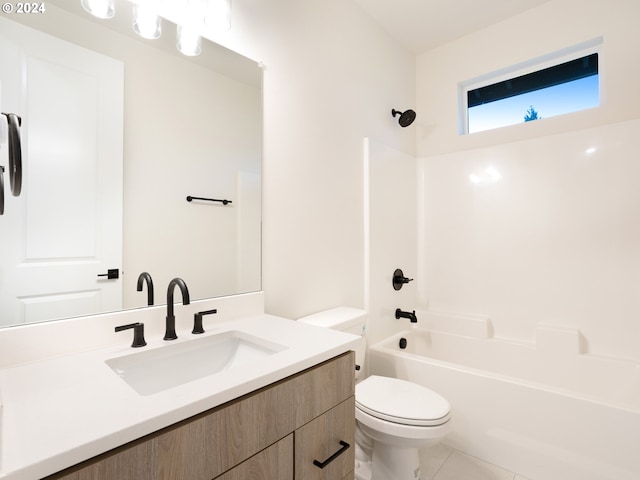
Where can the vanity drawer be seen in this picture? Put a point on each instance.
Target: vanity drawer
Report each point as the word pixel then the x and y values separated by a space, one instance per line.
pixel 325 447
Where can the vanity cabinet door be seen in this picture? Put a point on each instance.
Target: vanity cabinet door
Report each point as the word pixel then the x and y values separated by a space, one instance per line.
pixel 328 440
pixel 211 443
pixel 273 463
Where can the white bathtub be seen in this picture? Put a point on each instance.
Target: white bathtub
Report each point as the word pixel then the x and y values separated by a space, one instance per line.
pixel 543 413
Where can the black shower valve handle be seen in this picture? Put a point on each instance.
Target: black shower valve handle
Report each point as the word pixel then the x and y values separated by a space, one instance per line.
pixel 399 279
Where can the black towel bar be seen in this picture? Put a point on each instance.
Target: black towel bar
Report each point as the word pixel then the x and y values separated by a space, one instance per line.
pixel 224 202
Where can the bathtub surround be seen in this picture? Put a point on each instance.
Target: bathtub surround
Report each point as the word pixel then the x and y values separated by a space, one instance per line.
pixel 611 381
pixel 549 253
pixel 540 264
pixel 553 244
pixel 555 241
pixel 542 362
pixel 515 407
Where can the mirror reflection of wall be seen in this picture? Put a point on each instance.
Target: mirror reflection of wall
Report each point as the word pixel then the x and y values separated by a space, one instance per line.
pixel 188 130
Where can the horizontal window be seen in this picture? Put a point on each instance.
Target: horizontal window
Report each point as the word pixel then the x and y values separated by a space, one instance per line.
pixel 559 89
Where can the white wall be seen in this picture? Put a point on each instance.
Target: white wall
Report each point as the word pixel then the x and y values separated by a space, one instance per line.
pixel 331 78
pixel 556 240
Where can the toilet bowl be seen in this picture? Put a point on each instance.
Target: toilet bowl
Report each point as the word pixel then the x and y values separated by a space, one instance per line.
pixel 394 418
pixel 399 418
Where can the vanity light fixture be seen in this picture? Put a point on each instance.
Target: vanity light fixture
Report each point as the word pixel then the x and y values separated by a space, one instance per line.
pixel 188 41
pixel 146 21
pixel 195 16
pixel 99 8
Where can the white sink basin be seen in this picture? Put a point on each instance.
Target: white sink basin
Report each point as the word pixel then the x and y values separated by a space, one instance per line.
pixel 153 371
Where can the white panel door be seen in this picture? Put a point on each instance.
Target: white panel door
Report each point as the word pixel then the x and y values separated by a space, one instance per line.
pixel 65 228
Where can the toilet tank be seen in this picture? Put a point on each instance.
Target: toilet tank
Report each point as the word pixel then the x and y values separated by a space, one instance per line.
pixel 345 319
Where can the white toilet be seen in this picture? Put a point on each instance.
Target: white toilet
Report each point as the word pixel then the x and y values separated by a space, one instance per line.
pixel 394 418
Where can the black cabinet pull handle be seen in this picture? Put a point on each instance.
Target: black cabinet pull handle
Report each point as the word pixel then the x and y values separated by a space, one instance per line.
pixel 344 447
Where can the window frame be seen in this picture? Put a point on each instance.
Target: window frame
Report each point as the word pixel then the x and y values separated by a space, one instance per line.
pixel 524 68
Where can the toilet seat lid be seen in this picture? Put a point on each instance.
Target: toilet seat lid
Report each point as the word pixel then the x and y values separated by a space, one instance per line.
pixel 400 401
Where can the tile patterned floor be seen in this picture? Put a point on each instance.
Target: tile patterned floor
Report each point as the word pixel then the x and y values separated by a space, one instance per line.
pixel 441 462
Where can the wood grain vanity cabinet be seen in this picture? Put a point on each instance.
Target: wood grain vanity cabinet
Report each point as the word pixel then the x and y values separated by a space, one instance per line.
pixel 274 433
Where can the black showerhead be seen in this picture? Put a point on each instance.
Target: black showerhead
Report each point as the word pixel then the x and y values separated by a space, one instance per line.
pixel 406 118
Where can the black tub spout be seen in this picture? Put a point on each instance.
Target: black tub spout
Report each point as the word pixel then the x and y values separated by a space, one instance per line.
pixel 410 315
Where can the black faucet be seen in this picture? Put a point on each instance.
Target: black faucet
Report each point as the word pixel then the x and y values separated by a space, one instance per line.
pixel 170 330
pixel 410 315
pixel 142 278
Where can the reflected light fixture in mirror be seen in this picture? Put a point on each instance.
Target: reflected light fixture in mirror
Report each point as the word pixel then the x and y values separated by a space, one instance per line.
pixel 212 14
pixel 188 41
pixel 146 21
pixel 218 15
pixel 99 8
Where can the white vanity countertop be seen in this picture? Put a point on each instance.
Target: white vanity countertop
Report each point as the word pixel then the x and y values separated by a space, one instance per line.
pixel 61 411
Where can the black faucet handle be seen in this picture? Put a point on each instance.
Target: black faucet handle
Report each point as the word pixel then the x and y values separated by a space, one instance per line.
pixel 197 320
pixel 138 333
pixel 399 279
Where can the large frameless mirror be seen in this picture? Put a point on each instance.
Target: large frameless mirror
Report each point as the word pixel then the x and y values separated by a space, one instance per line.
pixel 117 131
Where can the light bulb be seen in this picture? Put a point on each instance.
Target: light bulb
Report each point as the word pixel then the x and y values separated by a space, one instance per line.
pixel 146 22
pixel 189 42
pixel 99 8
